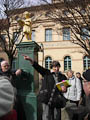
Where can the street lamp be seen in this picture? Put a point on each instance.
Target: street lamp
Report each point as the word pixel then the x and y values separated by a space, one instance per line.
pixel 42 50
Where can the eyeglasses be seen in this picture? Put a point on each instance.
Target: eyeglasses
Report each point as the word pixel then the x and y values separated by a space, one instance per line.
pixel 6 66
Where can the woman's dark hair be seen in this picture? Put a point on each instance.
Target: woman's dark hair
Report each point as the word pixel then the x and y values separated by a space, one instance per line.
pixel 78 73
pixel 55 64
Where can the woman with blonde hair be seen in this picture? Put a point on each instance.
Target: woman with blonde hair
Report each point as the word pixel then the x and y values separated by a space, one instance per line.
pixel 72 95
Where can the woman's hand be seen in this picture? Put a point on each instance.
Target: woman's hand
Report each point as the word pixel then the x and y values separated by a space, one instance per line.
pixel 64 89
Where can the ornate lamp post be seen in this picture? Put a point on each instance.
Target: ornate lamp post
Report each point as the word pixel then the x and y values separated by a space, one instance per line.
pixel 42 50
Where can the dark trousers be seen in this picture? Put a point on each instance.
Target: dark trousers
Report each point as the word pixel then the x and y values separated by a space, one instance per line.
pixel 20 109
pixel 68 112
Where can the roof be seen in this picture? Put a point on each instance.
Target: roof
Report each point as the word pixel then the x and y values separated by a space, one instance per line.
pixel 48 6
pixel 35 8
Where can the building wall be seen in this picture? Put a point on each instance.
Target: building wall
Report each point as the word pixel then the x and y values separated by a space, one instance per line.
pixel 58 48
pixel 57 52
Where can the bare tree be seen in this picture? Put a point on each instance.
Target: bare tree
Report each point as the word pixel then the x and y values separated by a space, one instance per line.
pixel 74 14
pixel 9 30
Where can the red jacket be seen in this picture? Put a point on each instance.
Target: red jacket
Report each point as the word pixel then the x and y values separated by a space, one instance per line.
pixel 11 116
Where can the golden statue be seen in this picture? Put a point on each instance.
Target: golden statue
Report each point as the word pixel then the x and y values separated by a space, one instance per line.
pixel 27 26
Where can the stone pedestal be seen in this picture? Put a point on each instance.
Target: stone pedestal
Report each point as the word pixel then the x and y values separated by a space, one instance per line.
pixel 27 87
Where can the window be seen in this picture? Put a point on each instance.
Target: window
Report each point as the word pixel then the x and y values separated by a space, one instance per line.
pixel 67 63
pixel 66 33
pixel 48 62
pixel 83 11
pixel 85 33
pixel 48 35
pixel 3 36
pixel 14 64
pixel 33 35
pixel 15 36
pixel 47 14
pixel 65 12
pixel 86 62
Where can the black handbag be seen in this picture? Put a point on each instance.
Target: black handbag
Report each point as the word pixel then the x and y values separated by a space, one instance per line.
pixel 43 96
pixel 58 101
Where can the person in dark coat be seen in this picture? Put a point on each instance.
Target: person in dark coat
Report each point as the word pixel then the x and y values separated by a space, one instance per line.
pixel 78 75
pixel 86 88
pixel 13 76
pixel 48 82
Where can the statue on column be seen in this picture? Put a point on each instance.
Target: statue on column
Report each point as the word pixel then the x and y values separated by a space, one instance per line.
pixel 27 26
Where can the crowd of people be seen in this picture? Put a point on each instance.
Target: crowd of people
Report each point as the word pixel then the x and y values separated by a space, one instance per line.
pixel 76 96
pixel 69 103
pixel 9 103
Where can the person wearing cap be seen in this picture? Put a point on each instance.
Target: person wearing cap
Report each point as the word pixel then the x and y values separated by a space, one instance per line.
pixel 84 108
pixel 86 87
pixel 48 82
